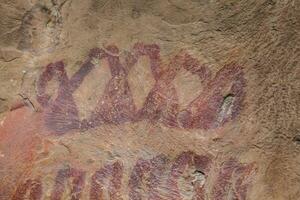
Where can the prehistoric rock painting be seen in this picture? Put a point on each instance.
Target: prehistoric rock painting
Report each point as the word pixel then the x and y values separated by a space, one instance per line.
pixel 159 178
pixel 219 102
pixel 115 173
pixel 60 182
pixel 182 100
pixel 33 189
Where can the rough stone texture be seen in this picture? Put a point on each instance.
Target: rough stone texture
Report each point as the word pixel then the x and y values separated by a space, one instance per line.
pixel 149 99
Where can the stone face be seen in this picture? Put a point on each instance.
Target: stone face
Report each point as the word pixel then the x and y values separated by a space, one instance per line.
pixel 160 100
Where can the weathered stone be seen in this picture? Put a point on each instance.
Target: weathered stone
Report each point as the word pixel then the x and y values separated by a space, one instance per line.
pixel 158 100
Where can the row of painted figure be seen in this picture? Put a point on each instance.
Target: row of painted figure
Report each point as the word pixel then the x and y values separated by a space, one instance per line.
pixel 188 176
pixel 220 100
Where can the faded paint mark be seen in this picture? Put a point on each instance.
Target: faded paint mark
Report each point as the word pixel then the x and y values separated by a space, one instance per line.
pixel 205 109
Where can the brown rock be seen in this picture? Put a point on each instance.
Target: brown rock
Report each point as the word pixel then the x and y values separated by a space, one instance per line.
pixel 149 99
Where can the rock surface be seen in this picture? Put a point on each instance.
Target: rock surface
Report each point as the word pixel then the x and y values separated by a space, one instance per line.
pixel 149 99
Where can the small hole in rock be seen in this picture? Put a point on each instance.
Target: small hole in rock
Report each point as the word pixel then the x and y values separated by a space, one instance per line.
pixel 199 177
pixel 297 139
pixel 228 99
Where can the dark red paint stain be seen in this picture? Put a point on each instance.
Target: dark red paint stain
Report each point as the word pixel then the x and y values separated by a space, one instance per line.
pixel 233 180
pixel 204 110
pixel 184 161
pixel 149 171
pixel 77 178
pixel 154 179
pixel 61 114
pixel 112 172
pixel 117 105
pixel 31 189
pixel 158 177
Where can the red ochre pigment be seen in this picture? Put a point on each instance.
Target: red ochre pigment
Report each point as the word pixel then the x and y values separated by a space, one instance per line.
pixel 159 178
pixel 117 105
pixel 155 179
pixel 160 174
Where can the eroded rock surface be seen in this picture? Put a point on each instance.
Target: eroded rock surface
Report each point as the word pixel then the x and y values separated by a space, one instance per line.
pixel 160 100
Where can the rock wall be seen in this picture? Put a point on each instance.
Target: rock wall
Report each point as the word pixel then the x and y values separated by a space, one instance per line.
pixel 149 99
